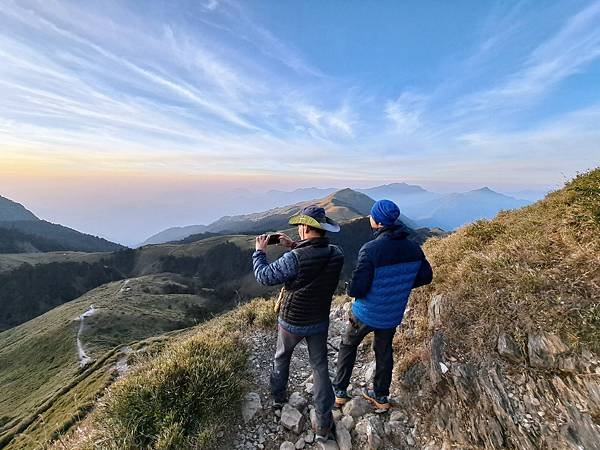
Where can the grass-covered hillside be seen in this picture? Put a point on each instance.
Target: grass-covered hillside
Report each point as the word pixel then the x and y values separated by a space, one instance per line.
pixel 186 396
pixel 529 269
pixel 44 387
pixel 40 236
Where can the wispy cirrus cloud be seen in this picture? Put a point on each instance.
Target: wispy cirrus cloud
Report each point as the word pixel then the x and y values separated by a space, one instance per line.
pixel 204 88
pixel 566 53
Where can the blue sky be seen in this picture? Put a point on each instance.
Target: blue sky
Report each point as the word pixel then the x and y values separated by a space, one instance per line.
pixel 263 94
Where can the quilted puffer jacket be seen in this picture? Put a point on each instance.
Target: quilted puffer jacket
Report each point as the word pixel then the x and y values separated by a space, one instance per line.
pixel 388 268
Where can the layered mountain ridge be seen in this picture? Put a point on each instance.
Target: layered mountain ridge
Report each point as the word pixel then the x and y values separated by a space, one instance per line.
pixel 23 232
pixel 419 208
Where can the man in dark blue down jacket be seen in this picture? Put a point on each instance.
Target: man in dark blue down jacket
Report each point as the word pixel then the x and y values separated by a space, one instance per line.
pixel 311 272
pixel 388 268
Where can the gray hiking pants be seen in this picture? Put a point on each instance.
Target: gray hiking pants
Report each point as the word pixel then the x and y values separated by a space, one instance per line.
pixel 323 396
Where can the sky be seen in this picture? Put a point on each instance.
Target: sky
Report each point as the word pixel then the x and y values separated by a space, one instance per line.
pixel 121 118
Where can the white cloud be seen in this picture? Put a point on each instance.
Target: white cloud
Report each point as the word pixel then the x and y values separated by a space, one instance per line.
pixel 405 112
pixel 568 52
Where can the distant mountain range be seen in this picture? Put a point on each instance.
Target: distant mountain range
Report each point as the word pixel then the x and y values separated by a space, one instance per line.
pixel 420 208
pixel 454 210
pixel 341 206
pixel 22 232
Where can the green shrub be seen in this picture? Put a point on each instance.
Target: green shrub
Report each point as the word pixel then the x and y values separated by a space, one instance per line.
pixel 178 399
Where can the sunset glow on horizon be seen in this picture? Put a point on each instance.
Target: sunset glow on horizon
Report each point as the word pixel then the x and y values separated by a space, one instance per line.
pixel 121 119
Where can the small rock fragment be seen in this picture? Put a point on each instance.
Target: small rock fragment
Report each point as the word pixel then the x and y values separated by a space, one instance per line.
pixel 509 349
pixel 356 407
pixel 347 422
pixel 329 445
pixel 250 406
pixel 297 401
pixel 544 350
pixel 342 436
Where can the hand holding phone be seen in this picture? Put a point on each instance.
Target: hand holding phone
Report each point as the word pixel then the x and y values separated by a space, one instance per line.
pixel 273 239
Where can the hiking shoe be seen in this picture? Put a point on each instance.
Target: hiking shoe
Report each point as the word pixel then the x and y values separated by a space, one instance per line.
pixel 380 401
pixel 278 403
pixel 325 434
pixel 341 398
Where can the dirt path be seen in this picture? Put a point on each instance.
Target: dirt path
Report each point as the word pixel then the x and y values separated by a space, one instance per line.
pixel 84 359
pixel 265 429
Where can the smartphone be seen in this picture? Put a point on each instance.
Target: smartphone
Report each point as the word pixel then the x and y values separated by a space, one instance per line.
pixel 273 239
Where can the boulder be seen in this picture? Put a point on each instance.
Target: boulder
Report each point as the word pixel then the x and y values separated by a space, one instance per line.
pixel 313 419
pixel 337 414
pixel 509 349
pixel 544 350
pixel 398 416
pixel 310 437
pixel 395 431
pixel 373 438
pixel 292 419
pixel 287 445
pixel 250 406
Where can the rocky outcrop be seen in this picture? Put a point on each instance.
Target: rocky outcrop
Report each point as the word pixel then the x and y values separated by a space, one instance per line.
pixel 535 393
pixel 554 404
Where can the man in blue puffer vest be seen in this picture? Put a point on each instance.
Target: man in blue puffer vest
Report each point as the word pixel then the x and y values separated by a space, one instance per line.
pixel 388 268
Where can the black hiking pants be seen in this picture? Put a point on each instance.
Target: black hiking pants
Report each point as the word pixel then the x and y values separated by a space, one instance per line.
pixel 323 396
pixel 384 359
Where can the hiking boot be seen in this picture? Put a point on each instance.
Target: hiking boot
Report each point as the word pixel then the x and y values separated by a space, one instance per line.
pixel 341 398
pixel 278 403
pixel 325 434
pixel 380 401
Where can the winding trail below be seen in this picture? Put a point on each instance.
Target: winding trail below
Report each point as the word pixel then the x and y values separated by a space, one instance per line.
pixel 84 359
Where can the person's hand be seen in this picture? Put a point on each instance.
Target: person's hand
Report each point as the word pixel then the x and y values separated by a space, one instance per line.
pixel 261 242
pixel 285 240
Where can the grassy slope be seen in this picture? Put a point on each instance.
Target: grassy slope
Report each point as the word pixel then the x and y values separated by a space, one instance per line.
pixel 168 401
pixel 62 237
pixel 12 261
pixel 533 268
pixel 39 357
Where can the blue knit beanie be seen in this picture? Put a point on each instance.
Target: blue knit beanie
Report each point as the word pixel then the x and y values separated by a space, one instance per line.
pixel 385 212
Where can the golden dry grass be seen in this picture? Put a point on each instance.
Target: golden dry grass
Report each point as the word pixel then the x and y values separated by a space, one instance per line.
pixel 533 268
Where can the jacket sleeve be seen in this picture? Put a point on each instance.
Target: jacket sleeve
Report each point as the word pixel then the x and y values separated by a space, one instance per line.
pixel 362 277
pixel 425 274
pixel 279 271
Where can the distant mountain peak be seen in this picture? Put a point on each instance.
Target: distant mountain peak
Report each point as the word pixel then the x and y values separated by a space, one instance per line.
pixel 11 211
pixel 486 190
